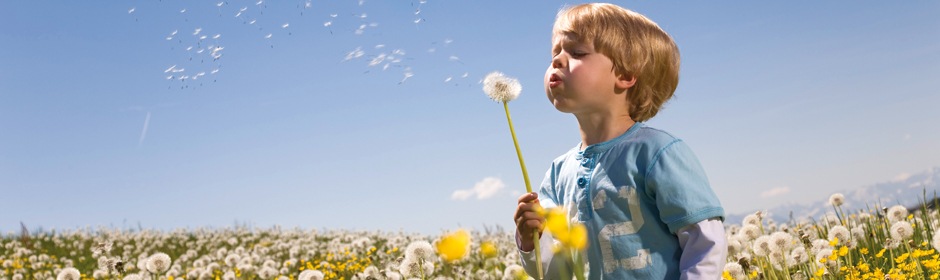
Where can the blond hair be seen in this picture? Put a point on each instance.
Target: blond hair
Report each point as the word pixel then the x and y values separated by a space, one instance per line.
pixel 636 46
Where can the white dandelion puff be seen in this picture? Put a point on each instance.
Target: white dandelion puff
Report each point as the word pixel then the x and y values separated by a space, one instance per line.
pixel 132 10
pixel 448 79
pixel 220 4
pixel 169 38
pixel 501 88
pixel 158 263
pixel 417 20
pixel 238 14
pixel 269 36
pixel 327 23
pixel 901 230
pixel 841 233
pixel 936 241
pixel 259 2
pixel 183 11
pixel 897 213
pixel 169 77
pixel 285 25
pixel 203 37
pixel 418 11
pixel 419 251
pixel 197 31
pixel 379 46
pixel 750 232
pixel 735 269
pixel 781 241
pixel 216 36
pixel 751 219
pixel 243 9
pixel 174 32
pixel 69 274
pixel 189 48
pixel 214 71
pixel 762 246
pixel 465 75
pixel 252 22
pixel 267 272
pixel 836 199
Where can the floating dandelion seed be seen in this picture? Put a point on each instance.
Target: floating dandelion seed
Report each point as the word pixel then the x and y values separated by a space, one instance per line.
pixel 216 36
pixel 169 77
pixel 327 23
pixel 214 71
pixel 454 58
pixel 203 37
pixel 169 38
pixel 447 41
pixel 253 21
pixel 238 14
pixel 407 75
pixel 197 31
pixel 259 2
pixel 189 48
pixel 374 24
pixel 220 4
pixel 199 51
pixel 417 20
pixel 333 15
pixel 385 67
pixel 131 11
pixel 418 11
pixel 170 69
pixel 379 46
pixel 448 79
pixel 377 60
pixel 360 2
pixel 431 50
pixel 285 25
pixel 465 75
pixel 243 9
pixel 183 11
pixel 269 36
pixel 354 54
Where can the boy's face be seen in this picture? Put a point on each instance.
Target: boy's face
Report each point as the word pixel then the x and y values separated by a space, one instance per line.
pixel 581 80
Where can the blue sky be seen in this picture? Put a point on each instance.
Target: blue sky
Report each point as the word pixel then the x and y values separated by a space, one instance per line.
pixel 781 101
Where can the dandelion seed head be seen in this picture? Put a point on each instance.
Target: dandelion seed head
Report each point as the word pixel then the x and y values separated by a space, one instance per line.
pixel 901 230
pixel 819 245
pixel 501 88
pixel 799 255
pixel 897 213
pixel 841 233
pixel 311 275
pixel 751 219
pixel 419 251
pixel 935 241
pixel 780 241
pixel 836 199
pixel 158 263
pixel 735 269
pixel 69 274
pixel 267 272
pixel 750 231
pixel 762 245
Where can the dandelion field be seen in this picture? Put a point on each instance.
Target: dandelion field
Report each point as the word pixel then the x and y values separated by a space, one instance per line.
pixel 878 243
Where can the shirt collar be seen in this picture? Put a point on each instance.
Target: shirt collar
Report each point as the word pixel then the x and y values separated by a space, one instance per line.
pixel 603 147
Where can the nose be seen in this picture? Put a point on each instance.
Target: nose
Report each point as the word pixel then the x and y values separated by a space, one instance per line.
pixel 558 61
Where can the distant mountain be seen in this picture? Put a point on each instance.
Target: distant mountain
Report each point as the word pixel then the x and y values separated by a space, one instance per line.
pixel 906 190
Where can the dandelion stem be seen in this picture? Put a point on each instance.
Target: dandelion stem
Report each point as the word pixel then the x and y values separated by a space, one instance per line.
pixel 528 188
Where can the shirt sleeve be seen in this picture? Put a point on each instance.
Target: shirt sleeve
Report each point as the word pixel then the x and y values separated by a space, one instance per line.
pixel 677 182
pixel 551 266
pixel 704 250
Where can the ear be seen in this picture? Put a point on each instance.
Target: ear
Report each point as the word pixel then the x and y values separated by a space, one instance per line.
pixel 625 81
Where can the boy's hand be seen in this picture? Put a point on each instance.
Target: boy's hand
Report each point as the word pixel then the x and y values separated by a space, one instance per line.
pixel 528 219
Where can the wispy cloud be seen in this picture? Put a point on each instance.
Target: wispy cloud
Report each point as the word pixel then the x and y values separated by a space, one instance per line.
pixel 487 188
pixel 775 192
pixel 901 177
pixel 144 133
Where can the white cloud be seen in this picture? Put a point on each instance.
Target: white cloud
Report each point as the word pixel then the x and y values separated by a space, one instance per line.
pixel 901 177
pixel 775 192
pixel 487 188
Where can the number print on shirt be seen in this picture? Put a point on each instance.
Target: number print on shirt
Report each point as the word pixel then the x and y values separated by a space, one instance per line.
pixel 642 259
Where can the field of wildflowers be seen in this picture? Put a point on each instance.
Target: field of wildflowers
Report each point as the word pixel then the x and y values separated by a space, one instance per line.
pixel 883 243
pixel 879 243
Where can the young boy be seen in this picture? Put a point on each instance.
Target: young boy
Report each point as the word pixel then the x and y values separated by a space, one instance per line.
pixel 642 194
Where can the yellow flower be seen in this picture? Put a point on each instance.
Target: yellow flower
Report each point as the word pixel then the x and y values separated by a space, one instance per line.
pixel 842 251
pixel 835 240
pixel 488 249
pixel 570 235
pixel 880 253
pixel 901 258
pixel 864 251
pixel 820 272
pixel 454 246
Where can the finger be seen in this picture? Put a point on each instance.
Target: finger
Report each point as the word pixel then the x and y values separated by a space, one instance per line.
pixel 528 197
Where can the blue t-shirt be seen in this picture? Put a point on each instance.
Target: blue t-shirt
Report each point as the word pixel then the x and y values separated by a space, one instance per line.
pixel 632 193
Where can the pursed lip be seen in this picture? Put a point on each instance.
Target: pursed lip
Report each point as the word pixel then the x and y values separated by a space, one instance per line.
pixel 554 80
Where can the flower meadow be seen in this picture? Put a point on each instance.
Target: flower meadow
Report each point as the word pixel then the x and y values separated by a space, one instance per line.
pixel 243 253
pixel 879 243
